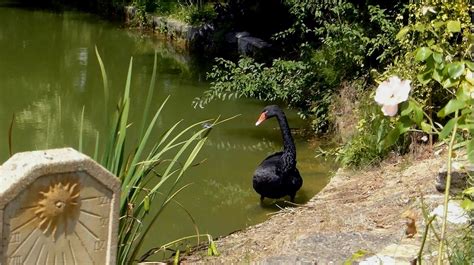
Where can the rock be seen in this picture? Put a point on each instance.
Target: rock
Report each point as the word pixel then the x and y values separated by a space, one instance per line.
pixel 242 34
pixel 459 176
pixel 394 254
pixel 250 45
pixel 456 214
pixel 380 259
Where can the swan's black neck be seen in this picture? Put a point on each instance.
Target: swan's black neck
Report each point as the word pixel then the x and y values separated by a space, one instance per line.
pixel 289 149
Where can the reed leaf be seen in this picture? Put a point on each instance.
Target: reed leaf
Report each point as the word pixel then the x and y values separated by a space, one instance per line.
pixel 169 157
pixel 104 77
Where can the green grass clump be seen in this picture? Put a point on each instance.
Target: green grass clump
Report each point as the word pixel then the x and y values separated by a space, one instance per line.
pixel 149 169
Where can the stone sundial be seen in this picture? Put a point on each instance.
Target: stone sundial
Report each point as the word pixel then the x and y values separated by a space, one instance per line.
pixel 57 207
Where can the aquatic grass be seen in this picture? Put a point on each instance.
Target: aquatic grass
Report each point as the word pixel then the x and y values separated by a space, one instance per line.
pixel 10 135
pixel 138 166
pixel 211 250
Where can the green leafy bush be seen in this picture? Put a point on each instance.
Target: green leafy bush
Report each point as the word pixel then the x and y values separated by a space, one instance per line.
pixel 436 58
pixel 194 14
pixel 327 43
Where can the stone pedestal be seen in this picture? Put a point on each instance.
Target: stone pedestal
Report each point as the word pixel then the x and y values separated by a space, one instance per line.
pixel 57 207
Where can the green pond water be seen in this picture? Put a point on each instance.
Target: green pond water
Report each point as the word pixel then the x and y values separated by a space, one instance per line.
pixel 49 73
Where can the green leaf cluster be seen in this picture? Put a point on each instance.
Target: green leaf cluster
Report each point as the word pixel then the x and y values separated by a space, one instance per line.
pixel 437 47
pixel 328 42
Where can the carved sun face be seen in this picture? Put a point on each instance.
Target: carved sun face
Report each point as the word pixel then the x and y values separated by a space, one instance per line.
pixel 57 205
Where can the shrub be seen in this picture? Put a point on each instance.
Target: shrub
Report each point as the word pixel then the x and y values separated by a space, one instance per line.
pixel 327 43
pixel 146 166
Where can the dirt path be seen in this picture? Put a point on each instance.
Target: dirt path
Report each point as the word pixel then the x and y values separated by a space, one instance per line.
pixel 356 211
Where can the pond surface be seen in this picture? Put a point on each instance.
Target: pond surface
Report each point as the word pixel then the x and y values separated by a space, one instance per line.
pixel 49 73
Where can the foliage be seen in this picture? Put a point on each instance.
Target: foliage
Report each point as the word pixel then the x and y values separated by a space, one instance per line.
pixel 192 12
pixel 436 56
pixel 284 80
pixel 144 171
pixel 145 5
pixel 326 44
pixel 364 147
pixel 439 45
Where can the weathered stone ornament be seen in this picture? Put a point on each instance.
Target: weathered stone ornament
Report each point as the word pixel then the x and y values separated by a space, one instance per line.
pixel 57 207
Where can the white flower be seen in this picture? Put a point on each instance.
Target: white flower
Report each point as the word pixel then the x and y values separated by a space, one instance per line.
pixel 390 93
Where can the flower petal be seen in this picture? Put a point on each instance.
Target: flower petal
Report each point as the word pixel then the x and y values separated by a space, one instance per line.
pixel 403 91
pixel 390 110
pixel 392 91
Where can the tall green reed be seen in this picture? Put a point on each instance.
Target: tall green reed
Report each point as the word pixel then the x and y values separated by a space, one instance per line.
pixel 167 158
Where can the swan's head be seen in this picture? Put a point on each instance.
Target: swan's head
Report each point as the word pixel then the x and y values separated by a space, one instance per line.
pixel 268 112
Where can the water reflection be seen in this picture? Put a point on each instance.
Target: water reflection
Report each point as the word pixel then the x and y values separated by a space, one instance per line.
pixel 80 80
pixel 262 145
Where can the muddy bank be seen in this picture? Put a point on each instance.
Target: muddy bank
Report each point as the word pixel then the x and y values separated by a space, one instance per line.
pixel 356 212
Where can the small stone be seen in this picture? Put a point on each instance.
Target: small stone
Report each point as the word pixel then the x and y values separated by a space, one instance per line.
pixel 460 171
pixel 379 260
pixel 403 251
pixel 456 214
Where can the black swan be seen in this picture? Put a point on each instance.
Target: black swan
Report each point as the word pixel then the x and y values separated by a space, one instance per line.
pixel 277 175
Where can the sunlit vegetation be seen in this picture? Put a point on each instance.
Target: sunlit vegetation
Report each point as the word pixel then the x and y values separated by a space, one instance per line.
pixel 149 176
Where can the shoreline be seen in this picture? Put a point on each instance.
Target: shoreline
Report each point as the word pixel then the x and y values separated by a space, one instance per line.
pixel 357 212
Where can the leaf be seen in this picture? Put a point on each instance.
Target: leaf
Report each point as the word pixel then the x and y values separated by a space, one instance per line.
pixel 404 124
pixel 146 204
pixel 420 27
pixel 464 91
pixel 176 258
pixel 401 34
pixel 438 24
pixel 437 75
pixel 423 53
pixel 391 137
pixel 357 255
pixel 438 57
pixel 417 114
pixel 449 83
pixel 453 26
pixel 470 150
pixel 447 128
pixel 406 108
pixel 470 76
pixel 467 205
pixel 468 191
pixel 453 105
pixel 469 126
pixel 425 127
pixel 469 65
pixel 212 250
pixel 455 70
pixel 425 77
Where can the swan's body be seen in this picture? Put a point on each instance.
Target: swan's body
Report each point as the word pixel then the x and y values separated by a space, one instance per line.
pixel 277 175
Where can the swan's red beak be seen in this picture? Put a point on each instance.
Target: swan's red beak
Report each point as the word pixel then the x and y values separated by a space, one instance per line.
pixel 262 117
